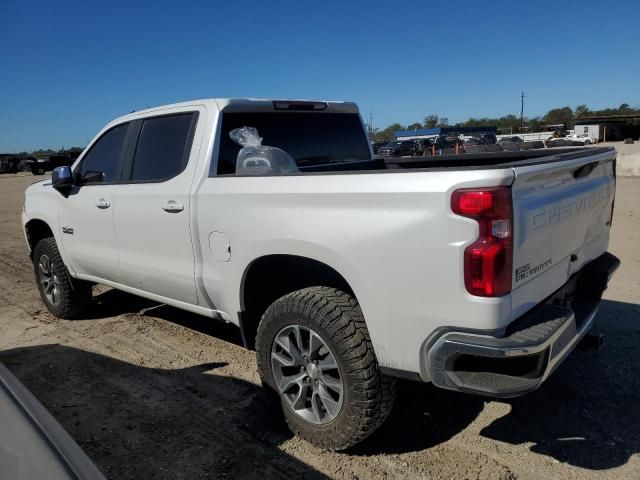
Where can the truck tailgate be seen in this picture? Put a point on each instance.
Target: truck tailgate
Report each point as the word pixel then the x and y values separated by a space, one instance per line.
pixel 562 216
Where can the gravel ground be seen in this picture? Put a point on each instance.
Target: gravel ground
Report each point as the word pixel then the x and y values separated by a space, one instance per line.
pixel 149 391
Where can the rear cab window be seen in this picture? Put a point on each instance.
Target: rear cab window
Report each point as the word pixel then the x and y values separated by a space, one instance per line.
pixel 311 139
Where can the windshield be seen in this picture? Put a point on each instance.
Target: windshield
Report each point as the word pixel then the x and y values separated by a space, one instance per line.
pixel 309 138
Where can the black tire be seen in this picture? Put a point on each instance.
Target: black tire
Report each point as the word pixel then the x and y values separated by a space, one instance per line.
pixel 336 317
pixel 72 295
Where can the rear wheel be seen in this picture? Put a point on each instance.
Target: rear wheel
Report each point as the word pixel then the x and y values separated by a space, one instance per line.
pixel 314 351
pixel 63 296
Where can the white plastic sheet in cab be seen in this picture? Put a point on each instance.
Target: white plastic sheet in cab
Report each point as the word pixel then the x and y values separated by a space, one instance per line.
pixel 257 159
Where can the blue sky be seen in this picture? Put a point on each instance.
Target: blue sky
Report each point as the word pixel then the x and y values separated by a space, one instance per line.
pixel 68 67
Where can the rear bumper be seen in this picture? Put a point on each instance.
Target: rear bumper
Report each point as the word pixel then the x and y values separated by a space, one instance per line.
pixel 534 344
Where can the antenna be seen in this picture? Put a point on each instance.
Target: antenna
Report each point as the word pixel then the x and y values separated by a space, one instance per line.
pixel 522 112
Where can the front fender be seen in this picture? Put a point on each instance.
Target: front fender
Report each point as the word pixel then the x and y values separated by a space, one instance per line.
pixel 41 203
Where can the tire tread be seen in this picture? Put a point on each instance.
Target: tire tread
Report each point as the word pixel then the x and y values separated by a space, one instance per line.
pixel 75 294
pixel 337 313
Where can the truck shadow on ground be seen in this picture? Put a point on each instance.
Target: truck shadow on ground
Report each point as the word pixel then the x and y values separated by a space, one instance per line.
pixel 587 414
pixel 137 422
pixel 116 302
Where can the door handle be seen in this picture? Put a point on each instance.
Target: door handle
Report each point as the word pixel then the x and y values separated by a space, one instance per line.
pixel 102 203
pixel 172 206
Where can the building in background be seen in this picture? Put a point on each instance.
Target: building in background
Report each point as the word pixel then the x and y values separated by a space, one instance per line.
pixel 609 127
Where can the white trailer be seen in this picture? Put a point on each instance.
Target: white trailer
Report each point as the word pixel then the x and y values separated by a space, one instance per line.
pixel 596 132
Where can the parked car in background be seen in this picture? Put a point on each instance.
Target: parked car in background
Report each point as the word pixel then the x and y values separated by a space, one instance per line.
pixel 423 146
pixel 482 139
pixel 399 148
pixel 9 164
pixel 447 141
pixel 25 165
pixel 25 162
pixel 514 139
pixel 376 146
pixel 12 163
pixel 580 139
pixel 45 164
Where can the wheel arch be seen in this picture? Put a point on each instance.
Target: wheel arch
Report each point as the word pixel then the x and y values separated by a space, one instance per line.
pixel 36 230
pixel 271 276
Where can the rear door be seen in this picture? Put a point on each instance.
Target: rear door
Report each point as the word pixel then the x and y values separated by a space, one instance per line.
pixel 562 217
pixel 153 209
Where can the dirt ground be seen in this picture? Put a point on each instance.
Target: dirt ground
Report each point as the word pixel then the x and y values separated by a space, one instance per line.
pixel 149 391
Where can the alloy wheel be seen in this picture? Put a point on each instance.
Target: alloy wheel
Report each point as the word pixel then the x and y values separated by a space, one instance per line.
pixel 49 280
pixel 306 374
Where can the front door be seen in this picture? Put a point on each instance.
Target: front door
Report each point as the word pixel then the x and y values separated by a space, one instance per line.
pixel 86 219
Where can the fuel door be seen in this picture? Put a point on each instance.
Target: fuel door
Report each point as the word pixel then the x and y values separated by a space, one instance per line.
pixel 220 246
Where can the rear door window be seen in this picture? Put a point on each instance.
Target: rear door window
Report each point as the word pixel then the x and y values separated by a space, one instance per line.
pixel 163 147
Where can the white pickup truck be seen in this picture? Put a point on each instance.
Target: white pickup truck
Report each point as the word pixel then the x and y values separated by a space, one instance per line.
pixel 476 272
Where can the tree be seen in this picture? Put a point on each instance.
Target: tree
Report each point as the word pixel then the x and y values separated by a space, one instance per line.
pixel 431 121
pixel 534 124
pixel 512 122
pixel 414 126
pixel 388 133
pixel 560 115
pixel 582 111
pixel 43 152
pixel 624 108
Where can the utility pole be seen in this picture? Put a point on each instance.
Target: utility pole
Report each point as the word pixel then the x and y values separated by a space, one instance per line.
pixel 522 112
pixel 370 125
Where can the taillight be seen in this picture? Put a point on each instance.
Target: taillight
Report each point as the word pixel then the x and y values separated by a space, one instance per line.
pixel 488 261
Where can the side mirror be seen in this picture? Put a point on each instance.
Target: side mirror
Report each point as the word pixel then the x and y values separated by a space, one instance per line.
pixel 62 179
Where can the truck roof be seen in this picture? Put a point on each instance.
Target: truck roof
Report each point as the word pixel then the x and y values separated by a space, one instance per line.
pixel 249 105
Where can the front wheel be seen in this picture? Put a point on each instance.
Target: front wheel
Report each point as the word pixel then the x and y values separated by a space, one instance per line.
pixel 63 296
pixel 314 351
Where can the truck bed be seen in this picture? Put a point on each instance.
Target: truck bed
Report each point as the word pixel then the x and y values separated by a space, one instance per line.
pixel 460 161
